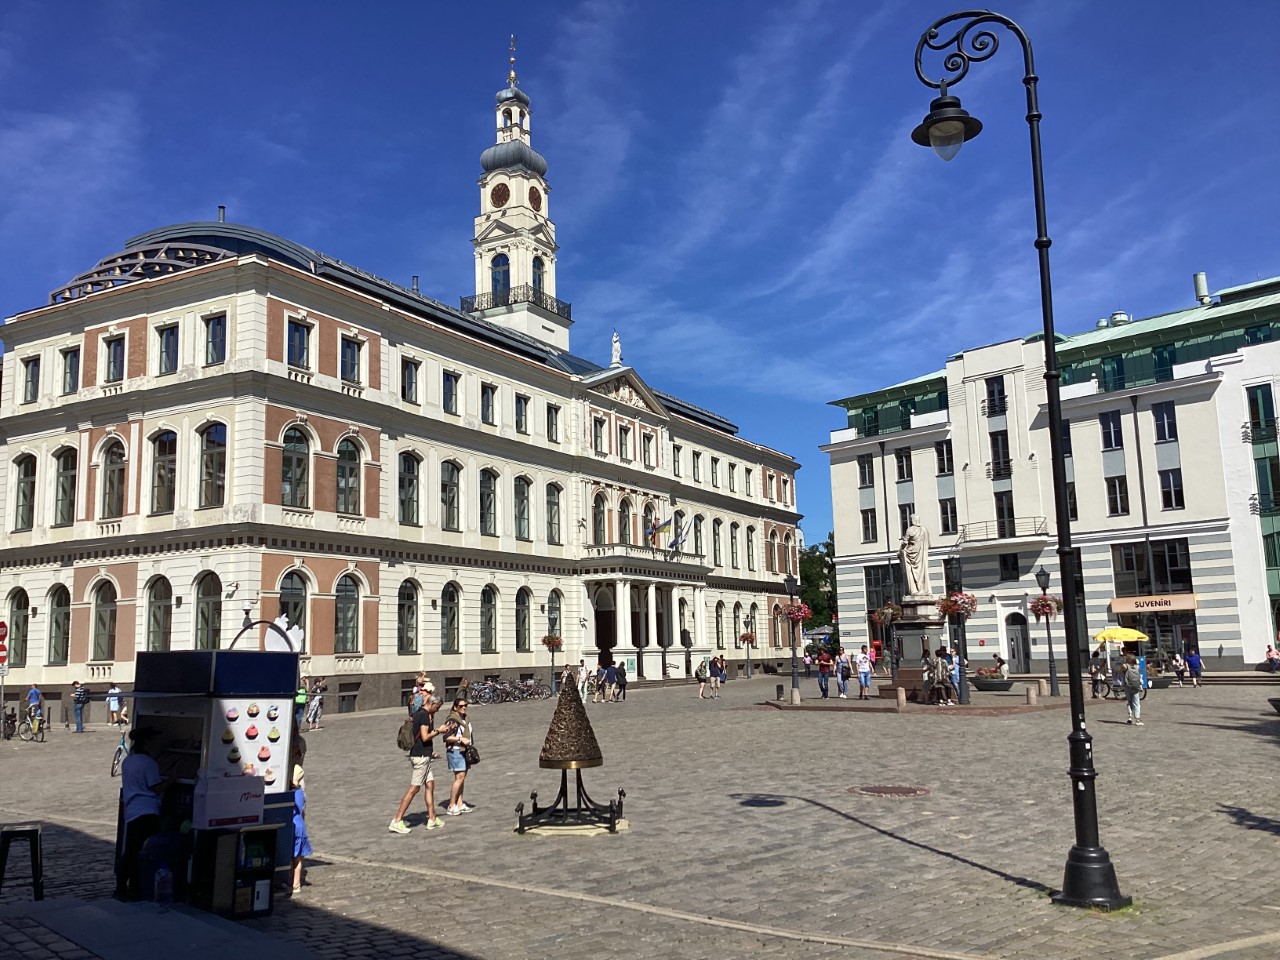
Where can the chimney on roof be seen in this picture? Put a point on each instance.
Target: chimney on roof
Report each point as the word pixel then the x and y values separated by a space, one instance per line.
pixel 222 213
pixel 415 283
pixel 1202 289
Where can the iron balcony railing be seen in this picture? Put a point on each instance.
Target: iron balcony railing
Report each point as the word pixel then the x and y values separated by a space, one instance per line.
pixel 1004 529
pixel 639 550
pixel 1000 469
pixel 1260 431
pixel 1261 505
pixel 521 294
pixel 995 406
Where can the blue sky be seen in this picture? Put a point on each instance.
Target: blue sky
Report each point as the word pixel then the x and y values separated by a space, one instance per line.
pixel 735 189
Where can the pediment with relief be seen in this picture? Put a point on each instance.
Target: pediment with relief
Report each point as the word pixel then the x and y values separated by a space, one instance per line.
pixel 625 387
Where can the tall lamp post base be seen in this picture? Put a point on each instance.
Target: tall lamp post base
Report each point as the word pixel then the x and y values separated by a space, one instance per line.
pixel 1090 881
pixel 795 697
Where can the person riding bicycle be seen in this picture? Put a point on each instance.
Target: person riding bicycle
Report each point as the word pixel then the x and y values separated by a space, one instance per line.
pixel 35 703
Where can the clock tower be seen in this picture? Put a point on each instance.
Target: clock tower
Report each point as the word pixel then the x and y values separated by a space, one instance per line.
pixel 515 240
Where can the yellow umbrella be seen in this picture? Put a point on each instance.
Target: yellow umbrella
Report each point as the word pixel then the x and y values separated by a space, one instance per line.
pixel 1119 635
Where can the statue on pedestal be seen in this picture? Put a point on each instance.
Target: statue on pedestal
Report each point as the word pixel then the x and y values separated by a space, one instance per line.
pixel 914 554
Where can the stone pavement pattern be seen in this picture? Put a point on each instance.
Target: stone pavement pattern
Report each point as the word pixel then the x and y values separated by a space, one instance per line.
pixel 745 838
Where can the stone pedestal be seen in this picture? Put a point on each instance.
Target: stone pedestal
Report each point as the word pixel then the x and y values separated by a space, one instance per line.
pixel 919 629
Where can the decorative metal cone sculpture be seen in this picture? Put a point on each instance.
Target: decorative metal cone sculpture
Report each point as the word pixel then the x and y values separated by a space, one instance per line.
pixel 571 743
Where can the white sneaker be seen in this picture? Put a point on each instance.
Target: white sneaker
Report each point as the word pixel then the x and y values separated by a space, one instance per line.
pixel 1138 723
pixel 453 812
pixel 465 807
pixel 399 826
pixel 844 696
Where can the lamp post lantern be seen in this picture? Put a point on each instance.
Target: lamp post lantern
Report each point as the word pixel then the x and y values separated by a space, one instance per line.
pixel 792 583
pixel 1042 581
pixel 1089 879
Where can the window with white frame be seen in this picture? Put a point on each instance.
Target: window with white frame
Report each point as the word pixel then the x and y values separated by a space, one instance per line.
pixel 522 414
pixel 70 370
pixel 488 403
pixel 349 355
pixel 113 348
pixel 553 423
pixel 31 380
pixel 409 380
pixel 449 391
pixel 299 344
pixel 167 349
pixel 215 339
pixel 624 442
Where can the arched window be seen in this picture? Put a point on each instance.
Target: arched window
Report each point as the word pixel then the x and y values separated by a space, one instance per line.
pixel 506 118
pixel 624 521
pixel 113 481
pixel 733 545
pixel 295 465
pixel 500 272
pixel 213 465
pixel 650 524
pixel 349 478
pixel 776 621
pixel 771 557
pixel 554 606
pixel 64 497
pixel 59 624
pixel 524 612
pixel 489 620
pixel 488 503
pixel 159 614
pixel 538 273
pixel 786 554
pixel 408 479
pixel 346 615
pixel 407 618
pixel 737 623
pixel 449 474
pixel 553 513
pixel 104 622
pixel 720 625
pixel 717 557
pixel 449 619
pixel 19 618
pixel 751 548
pixel 24 507
pixel 164 466
pixel 293 599
pixel 754 620
pixel 208 612
pixel 599 519
pixel 697 536
pixel 523 509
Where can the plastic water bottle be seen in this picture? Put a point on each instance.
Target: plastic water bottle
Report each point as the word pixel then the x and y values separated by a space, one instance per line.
pixel 163 890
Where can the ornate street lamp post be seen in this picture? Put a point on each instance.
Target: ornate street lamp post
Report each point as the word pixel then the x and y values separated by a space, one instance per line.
pixel 1089 879
pixel 1042 580
pixel 792 583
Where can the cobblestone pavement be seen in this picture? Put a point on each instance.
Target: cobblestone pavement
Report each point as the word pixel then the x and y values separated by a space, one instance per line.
pixel 745 838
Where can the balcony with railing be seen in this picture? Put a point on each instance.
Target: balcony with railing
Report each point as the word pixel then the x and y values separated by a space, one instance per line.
pixel 1259 431
pixel 513 295
pixel 1008 529
pixel 638 551
pixel 1264 505
pixel 1000 469
pixel 995 406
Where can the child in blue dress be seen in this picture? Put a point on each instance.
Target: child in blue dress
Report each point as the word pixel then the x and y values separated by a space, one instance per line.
pixel 301 843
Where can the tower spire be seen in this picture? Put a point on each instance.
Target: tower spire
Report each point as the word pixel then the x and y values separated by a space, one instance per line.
pixel 511 74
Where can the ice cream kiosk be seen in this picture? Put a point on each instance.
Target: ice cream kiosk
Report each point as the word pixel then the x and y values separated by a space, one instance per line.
pixel 222 725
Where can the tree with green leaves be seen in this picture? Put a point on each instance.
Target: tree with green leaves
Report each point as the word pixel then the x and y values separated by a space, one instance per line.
pixel 818 581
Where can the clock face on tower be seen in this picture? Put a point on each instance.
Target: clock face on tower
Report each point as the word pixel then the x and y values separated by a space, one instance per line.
pixel 535 198
pixel 500 194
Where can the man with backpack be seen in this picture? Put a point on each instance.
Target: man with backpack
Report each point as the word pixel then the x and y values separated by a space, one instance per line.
pixel 1132 680
pixel 415 735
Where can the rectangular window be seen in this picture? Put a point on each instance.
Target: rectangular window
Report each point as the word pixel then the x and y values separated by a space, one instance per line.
pixel 1117 496
pixel 553 423
pixel 168 349
pixel 522 414
pixel 1009 567
pixel 1171 497
pixel 786 490
pixel 409 380
pixel 30 380
pixel 1006 522
pixel 1166 421
pixel 676 451
pixel 488 403
pixel 1262 411
pixel 597 434
pixel 1001 462
pixel 697 467
pixel 866 470
pixel 215 339
pixel 905 510
pixel 646 446
pixel 1170 568
pixel 997 402
pixel 902 460
pixel 449 392
pixel 1066 438
pixel 746 481
pixel 351 360
pixel 947 515
pixel 71 370
pixel 1113 373
pixel 769 484
pixel 715 471
pixel 114 347
pixel 869 534
pixel 1257 334
pixel 624 442
pixel 1072 512
pixel 1112 433
pixel 946 461
pixel 299 344
pixel 733 478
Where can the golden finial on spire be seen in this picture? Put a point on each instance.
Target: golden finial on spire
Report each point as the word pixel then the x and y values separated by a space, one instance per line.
pixel 511 76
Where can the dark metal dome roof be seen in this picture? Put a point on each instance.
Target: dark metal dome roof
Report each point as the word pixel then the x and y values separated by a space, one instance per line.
pixel 512 93
pixel 513 153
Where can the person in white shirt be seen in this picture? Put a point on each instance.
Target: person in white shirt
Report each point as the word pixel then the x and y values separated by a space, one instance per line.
pixel 863 662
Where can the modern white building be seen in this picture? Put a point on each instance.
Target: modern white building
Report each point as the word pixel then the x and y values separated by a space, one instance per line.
pixel 1173 473
pixel 217 424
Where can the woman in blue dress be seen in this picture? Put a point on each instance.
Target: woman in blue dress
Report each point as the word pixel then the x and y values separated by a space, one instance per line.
pixel 301 843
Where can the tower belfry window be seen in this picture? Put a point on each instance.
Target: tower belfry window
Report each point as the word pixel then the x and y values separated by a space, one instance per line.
pixel 538 273
pixel 501 273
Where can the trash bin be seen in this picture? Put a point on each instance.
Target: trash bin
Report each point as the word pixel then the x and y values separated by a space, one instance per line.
pixel 779 691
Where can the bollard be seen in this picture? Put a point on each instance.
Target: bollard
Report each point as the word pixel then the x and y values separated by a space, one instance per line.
pixel 902 699
pixel 1044 687
pixel 779 691
pixel 1032 696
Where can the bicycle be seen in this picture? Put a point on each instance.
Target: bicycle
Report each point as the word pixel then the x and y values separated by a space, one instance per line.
pixel 1115 689
pixel 31 727
pixel 122 751
pixel 10 724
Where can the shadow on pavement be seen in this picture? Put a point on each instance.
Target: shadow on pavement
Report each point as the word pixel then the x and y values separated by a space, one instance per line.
pixel 1249 820
pixel 778 799
pixel 80 865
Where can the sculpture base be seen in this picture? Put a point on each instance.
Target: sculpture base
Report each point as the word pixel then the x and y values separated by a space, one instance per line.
pixel 584 812
pixel 910 679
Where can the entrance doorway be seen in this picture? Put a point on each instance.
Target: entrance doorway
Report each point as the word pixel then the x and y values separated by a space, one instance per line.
pixel 606 624
pixel 1015 628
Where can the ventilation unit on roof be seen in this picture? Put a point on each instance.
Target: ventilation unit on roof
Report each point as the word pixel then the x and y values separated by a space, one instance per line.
pixel 1202 288
pixel 1119 318
pixel 1102 324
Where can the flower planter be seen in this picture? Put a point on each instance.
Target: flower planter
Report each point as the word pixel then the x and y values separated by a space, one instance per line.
pixel 1160 683
pixel 991 684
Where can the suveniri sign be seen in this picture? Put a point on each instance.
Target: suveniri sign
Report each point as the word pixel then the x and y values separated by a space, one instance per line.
pixel 1156 604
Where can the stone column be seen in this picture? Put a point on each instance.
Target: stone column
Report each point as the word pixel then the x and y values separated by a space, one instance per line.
pixel 651 611
pixel 620 601
pixel 699 617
